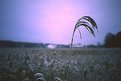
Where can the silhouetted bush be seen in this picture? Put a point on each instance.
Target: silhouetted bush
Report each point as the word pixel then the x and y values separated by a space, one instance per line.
pixel 112 40
pixel 118 39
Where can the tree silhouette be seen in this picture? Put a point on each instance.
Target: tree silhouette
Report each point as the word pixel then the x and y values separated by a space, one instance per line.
pixel 112 40
pixel 118 39
pixel 109 40
pixel 88 23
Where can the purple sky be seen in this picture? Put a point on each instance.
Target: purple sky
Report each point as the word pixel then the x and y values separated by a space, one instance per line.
pixel 52 21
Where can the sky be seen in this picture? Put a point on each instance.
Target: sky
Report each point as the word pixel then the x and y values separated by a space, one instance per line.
pixel 53 21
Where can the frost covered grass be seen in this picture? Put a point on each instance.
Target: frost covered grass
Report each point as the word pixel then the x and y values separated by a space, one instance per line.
pixel 76 64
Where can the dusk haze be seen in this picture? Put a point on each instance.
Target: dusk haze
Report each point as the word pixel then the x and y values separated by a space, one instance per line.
pixel 53 21
pixel 60 40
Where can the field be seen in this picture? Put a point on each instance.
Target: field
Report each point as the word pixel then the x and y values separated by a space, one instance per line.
pixel 76 64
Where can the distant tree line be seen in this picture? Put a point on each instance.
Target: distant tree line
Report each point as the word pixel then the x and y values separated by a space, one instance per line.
pixel 4 43
pixel 112 40
pixel 9 44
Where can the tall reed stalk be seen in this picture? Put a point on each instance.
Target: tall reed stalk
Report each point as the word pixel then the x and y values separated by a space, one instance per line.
pixel 88 23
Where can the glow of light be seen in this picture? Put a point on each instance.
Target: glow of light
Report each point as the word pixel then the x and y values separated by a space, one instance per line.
pixel 58 20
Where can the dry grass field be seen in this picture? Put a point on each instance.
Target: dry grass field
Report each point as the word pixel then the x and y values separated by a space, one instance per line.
pixel 76 64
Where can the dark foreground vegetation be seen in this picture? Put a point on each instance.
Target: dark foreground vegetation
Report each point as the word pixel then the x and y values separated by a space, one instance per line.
pixel 86 64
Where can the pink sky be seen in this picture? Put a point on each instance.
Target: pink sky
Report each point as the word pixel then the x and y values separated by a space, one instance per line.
pixel 59 18
pixel 52 21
